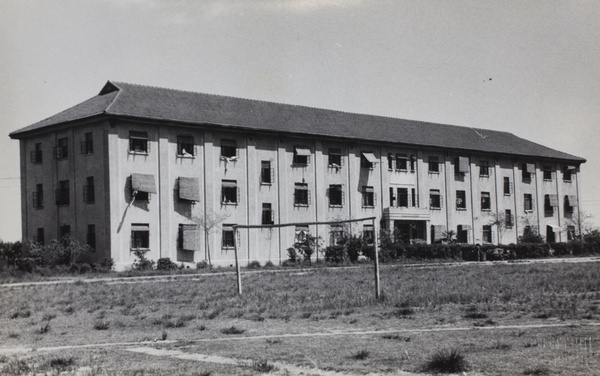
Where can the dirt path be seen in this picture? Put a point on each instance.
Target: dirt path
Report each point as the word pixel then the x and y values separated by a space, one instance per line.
pixel 198 276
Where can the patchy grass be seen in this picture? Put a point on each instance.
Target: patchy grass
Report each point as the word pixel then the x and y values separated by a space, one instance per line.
pixel 446 361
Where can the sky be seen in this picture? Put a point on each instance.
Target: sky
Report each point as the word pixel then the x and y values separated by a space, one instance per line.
pixel 531 68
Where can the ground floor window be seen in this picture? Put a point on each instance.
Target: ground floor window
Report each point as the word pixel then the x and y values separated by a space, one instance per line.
pixel 91 236
pixel 336 234
pixel 140 236
pixel 487 234
pixel 227 239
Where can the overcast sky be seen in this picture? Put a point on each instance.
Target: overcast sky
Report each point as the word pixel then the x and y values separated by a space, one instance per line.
pixel 527 67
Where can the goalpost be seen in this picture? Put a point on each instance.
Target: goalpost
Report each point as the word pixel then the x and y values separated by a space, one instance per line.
pixel 372 219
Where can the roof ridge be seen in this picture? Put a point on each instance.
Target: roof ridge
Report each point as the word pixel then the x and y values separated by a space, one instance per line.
pixel 115 84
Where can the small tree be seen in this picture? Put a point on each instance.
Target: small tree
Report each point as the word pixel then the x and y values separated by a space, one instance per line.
pixel 449 236
pixel 209 223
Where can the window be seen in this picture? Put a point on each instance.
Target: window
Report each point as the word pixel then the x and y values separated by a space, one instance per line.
pixel 89 194
pixel 301 194
pixel 461 200
pixel 141 186
pixel 227 239
pixel 64 231
pixel 484 169
pixel 62 150
pixel 570 232
pixel 36 155
pixel 87 145
pixel 401 162
pixel 335 195
pixel 39 237
pixel 507 186
pixel 336 234
pixel 434 165
pixel 392 197
pixel 335 158
pixel 301 233
pixel 91 236
pixel 229 192
pixel 368 197
pixel 140 236
pixel 138 142
pixel 414 198
pixel 569 202
pixel 508 219
pixel 267 214
pixel 38 196
pixel 185 146
pixel 62 193
pixel 402 197
pixel 435 200
pixel 486 202
pixel 390 160
pixel 368 160
pixel 413 163
pixel 547 173
pixel 550 201
pixel 487 234
pixel 527 169
pixel 462 233
pixel 368 234
pixel 528 202
pixel 461 165
pixel 301 155
pixel 188 238
pixel 567 172
pixel 266 172
pixel 228 149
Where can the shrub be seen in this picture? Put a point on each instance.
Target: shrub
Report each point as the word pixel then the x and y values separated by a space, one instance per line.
pixel 361 355
pixel 254 265
pixel 262 366
pixel 335 254
pixel 446 361
pixel 165 263
pixel 232 330
pixel 268 265
pixel 202 265
pixel 142 263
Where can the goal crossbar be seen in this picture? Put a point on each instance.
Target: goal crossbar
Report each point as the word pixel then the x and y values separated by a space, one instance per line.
pixel 376 261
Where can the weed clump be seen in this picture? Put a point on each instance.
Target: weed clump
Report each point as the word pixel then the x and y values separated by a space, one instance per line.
pixel 361 355
pixel 446 361
pixel 262 366
pixel 232 330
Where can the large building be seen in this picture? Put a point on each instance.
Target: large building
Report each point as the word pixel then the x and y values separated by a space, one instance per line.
pixel 170 172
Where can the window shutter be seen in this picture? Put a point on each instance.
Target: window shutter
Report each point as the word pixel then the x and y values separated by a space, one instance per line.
pixel 343 198
pixel 308 196
pixel 190 237
pixel 374 199
pixel 237 195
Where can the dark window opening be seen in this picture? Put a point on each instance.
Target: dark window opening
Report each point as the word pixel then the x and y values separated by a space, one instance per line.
pixel 38 196
pixel 414 198
pixel 87 145
pixel 336 234
pixel 461 200
pixel 62 193
pixel 368 234
pixel 64 231
pixel 435 200
pixel 528 202
pixel 434 165
pixel 229 192
pixel 227 239
pixel 185 146
pixel 487 234
pixel 267 214
pixel 570 232
pixel 402 197
pixel 335 195
pixel 508 219
pixel 228 149
pixel 507 186
pixel 301 194
pixel 140 236
pixel 567 175
pixel 138 142
pixel 91 236
pixel 36 155
pixel 335 158
pixel 486 202
pixel 62 150
pixel 368 197
pixel 547 173
pixel 40 236
pixel 548 207
pixel 89 192
pixel 367 160
pixel 401 162
pixel 301 155
pixel 484 169
pixel 266 172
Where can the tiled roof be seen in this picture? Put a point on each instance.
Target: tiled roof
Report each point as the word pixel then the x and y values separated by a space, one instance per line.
pixel 122 99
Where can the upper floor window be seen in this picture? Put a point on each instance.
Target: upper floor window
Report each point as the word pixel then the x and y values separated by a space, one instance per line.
pixel 89 192
pixel 229 192
pixel 267 214
pixel 140 236
pixel 141 186
pixel 368 160
pixel 435 199
pixel 266 172
pixel 484 168
pixel 36 155
pixel 547 173
pixel 568 172
pixel 461 200
pixel 336 195
pixel 550 202
pixel 413 163
pixel 228 149
pixel 527 169
pixel 62 193
pixel 570 201
pixel 335 158
pixel 401 162
pixel 434 165
pixel 138 142
pixel 402 197
pixel 301 156
pixel 527 202
pixel 301 194
pixel 486 202
pixel 507 186
pixel 62 150
pixel 185 146
pixel 508 219
pixel 189 189
pixel 368 197
pixel 461 165
pixel 87 144
pixel 390 161
pixel 38 196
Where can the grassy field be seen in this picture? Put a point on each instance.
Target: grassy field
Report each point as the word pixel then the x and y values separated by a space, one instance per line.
pixel 498 320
